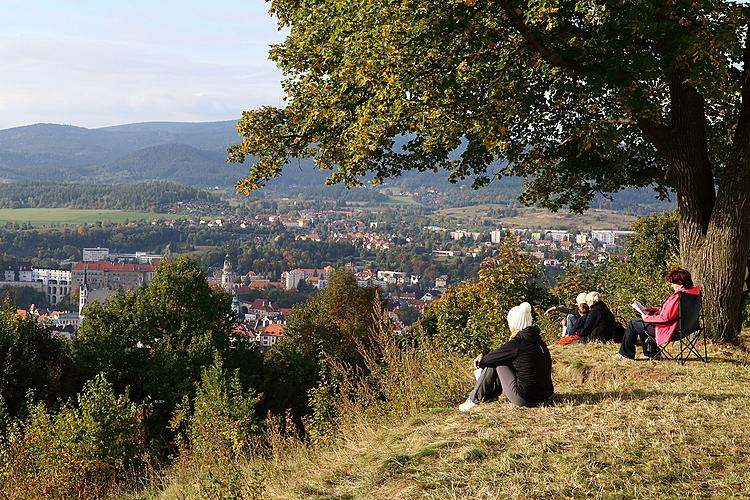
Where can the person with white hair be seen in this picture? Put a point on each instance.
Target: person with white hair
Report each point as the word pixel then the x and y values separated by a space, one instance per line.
pixel 572 315
pixel 521 368
pixel 600 322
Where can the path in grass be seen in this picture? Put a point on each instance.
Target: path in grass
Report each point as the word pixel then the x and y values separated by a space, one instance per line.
pixel 616 429
pixel 56 216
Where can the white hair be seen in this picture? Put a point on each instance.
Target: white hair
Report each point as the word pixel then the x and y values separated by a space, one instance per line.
pixel 592 298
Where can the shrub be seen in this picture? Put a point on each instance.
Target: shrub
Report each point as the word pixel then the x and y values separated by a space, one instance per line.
pixel 331 323
pixel 222 424
pixel 471 317
pixel 34 361
pixel 321 422
pixel 80 451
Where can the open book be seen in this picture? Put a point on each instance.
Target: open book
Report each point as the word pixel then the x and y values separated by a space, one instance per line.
pixel 639 307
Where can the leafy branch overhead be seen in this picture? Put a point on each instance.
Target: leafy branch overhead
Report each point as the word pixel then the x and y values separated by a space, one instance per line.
pixel 575 96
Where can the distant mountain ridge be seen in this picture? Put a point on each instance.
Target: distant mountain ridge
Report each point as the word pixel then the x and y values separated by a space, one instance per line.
pixel 188 153
pixel 192 153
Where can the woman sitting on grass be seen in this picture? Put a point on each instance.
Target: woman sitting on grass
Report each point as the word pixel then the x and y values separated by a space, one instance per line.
pixel 521 368
pixel 660 322
pixel 571 322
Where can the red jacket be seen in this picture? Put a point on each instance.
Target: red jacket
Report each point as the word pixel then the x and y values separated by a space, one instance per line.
pixel 665 319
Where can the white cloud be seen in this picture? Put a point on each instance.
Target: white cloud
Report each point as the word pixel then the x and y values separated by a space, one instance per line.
pixel 113 70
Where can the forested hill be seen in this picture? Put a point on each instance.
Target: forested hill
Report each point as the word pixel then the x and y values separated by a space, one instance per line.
pixel 195 153
pixel 149 196
pixel 191 153
pixel 172 162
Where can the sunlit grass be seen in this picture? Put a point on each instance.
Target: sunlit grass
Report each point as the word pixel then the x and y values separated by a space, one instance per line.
pixel 57 216
pixel 615 429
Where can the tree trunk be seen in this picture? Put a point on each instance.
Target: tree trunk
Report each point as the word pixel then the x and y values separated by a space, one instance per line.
pixel 714 232
pixel 714 226
pixel 718 265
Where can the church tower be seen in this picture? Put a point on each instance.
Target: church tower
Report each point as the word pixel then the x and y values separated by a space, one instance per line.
pixel 83 292
pixel 227 276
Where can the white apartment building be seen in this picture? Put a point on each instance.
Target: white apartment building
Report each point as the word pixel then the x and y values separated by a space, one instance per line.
pixel 94 254
pixel 557 235
pixel 56 282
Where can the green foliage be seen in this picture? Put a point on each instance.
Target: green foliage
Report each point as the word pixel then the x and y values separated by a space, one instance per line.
pixel 407 314
pixel 156 340
pixel 529 83
pixel 24 296
pixel 471 317
pixel 654 247
pixel 32 360
pixel 321 423
pixel 577 279
pixel 222 424
pixel 80 451
pixel 151 196
pixel 651 253
pixel 333 323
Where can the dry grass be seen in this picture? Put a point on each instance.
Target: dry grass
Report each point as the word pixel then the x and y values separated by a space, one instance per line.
pixel 529 217
pixel 615 429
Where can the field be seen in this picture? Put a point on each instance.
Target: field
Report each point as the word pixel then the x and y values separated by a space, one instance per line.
pixel 56 216
pixel 529 217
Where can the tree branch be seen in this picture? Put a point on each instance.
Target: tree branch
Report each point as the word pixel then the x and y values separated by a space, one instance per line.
pixel 548 54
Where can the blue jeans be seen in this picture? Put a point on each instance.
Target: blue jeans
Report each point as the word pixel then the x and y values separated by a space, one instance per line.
pixel 570 322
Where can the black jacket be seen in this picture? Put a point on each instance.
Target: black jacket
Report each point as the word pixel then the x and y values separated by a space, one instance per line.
pixel 599 325
pixel 528 355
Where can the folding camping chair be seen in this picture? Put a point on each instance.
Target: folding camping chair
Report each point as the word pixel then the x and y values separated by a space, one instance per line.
pixel 689 331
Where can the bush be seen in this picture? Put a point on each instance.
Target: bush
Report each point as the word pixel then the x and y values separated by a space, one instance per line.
pixel 79 452
pixel 34 362
pixel 222 424
pixel 332 323
pixel 471 317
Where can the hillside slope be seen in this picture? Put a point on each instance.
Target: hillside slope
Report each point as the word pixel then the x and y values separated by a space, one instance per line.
pixel 173 162
pixel 615 430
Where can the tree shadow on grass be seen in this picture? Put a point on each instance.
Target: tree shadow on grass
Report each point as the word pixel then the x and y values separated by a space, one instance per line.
pixel 582 398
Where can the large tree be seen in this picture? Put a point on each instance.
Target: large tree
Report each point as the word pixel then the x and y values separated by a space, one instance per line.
pixel 580 97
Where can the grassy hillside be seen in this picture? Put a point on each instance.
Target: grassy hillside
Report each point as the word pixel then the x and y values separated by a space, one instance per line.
pixel 530 217
pixel 615 429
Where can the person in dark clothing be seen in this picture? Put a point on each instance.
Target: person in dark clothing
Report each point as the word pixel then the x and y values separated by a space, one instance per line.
pixel 578 324
pixel 521 368
pixel 600 322
pixel 572 319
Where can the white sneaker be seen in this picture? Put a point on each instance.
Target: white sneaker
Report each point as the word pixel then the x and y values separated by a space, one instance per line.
pixel 466 405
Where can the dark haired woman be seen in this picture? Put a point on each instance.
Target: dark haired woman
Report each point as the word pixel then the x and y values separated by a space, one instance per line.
pixel 660 322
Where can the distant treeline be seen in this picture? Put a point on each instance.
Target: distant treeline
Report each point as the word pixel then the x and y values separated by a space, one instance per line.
pixel 147 196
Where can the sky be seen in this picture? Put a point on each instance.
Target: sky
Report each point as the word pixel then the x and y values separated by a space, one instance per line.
pixel 95 63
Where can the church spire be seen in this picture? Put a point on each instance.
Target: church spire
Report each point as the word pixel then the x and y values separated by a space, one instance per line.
pixel 83 291
pixel 227 275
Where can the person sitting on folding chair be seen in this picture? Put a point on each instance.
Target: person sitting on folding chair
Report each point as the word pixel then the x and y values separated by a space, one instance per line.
pixel 660 322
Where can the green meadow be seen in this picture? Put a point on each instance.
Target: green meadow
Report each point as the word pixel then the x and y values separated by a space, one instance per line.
pixel 56 216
